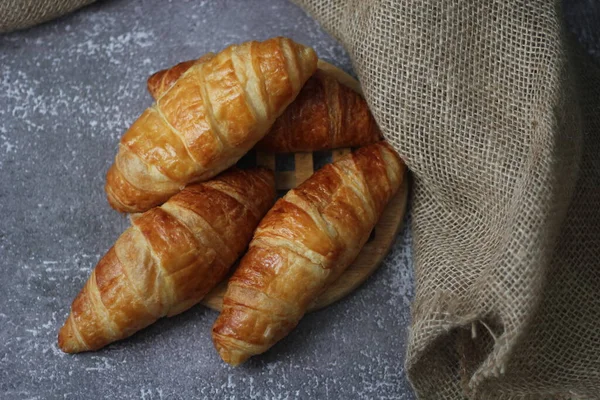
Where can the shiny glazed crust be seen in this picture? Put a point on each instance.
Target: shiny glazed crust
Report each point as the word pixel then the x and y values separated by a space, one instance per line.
pixel 302 245
pixel 325 115
pixel 214 113
pixel 160 82
pixel 169 259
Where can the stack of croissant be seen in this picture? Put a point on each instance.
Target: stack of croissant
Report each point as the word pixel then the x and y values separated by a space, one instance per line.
pixel 196 214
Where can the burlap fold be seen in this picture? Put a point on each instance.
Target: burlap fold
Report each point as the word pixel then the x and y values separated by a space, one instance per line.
pixel 497 114
pixel 19 14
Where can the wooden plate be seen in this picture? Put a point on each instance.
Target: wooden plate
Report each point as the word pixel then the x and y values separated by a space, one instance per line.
pixel 290 174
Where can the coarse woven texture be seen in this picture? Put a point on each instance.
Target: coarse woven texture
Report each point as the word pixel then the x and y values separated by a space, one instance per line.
pixel 496 112
pixel 19 14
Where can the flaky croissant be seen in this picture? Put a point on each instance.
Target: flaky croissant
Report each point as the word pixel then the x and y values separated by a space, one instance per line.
pixel 303 244
pixel 207 121
pixel 325 115
pixel 169 259
pixel 161 81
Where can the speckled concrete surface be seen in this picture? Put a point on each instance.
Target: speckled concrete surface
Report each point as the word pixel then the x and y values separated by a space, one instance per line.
pixel 68 90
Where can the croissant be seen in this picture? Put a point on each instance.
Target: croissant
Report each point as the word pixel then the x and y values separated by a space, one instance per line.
pixel 160 82
pixel 303 244
pixel 208 120
pixel 169 259
pixel 325 115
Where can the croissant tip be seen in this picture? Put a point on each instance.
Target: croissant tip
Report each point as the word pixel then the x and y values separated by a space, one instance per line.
pixel 116 205
pixel 112 201
pixel 110 196
pixel 116 188
pixel 64 340
pixel 230 356
pixel 67 341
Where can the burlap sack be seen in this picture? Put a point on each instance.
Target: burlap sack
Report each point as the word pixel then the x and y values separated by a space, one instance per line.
pixel 498 116
pixel 18 14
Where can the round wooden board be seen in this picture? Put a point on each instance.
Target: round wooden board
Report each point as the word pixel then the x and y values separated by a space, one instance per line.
pixel 373 252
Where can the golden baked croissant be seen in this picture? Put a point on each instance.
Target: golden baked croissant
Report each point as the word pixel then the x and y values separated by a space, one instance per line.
pixel 303 244
pixel 161 81
pixel 169 259
pixel 325 115
pixel 207 121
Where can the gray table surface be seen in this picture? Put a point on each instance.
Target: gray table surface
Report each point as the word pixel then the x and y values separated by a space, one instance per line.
pixel 68 90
